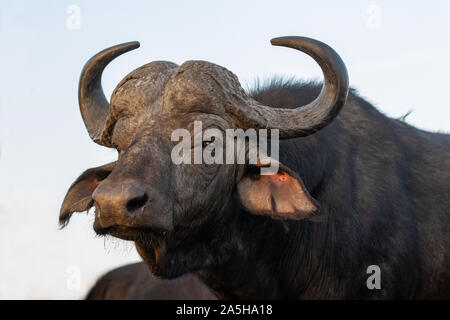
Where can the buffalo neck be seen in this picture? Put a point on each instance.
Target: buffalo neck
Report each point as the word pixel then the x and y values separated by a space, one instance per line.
pixel 272 258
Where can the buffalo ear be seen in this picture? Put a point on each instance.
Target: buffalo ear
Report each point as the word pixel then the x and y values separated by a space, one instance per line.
pixel 79 196
pixel 281 194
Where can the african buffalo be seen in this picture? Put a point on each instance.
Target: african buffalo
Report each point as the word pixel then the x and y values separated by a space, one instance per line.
pixel 355 190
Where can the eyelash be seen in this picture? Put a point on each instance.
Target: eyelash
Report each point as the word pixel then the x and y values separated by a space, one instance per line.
pixel 205 144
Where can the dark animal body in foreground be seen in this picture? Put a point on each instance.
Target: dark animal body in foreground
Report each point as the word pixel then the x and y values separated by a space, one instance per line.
pixel 355 188
pixel 135 282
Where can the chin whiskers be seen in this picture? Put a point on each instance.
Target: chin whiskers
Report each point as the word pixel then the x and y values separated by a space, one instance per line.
pixel 113 244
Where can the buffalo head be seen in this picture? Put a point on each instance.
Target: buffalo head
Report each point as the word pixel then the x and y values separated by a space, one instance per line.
pixel 178 213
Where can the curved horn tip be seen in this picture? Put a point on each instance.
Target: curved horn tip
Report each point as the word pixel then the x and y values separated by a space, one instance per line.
pixel 275 41
pixel 289 41
pixel 279 41
pixel 132 44
pixel 124 47
pixel 121 48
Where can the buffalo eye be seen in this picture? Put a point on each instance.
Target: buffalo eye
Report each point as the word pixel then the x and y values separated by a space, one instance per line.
pixel 207 143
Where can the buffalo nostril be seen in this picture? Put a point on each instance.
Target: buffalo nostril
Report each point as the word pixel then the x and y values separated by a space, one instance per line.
pixel 137 203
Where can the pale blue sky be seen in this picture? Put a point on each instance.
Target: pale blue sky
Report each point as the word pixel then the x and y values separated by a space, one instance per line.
pixel 397 59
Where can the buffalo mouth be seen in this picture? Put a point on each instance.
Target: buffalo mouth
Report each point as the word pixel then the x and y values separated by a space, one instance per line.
pixel 144 235
pixel 149 241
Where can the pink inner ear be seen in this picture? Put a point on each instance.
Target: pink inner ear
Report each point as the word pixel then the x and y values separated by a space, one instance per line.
pixel 79 196
pixel 90 184
pixel 95 180
pixel 280 195
pixel 282 176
